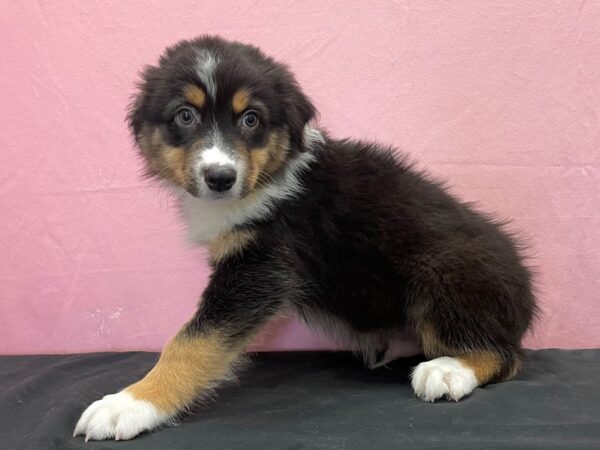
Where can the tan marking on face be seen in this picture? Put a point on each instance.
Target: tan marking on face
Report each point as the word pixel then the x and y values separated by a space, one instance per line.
pixel 187 366
pixel 279 147
pixel 194 95
pixel 147 140
pixel 171 163
pixel 265 161
pixel 257 160
pixel 164 160
pixel 229 244
pixel 240 101
pixel 175 160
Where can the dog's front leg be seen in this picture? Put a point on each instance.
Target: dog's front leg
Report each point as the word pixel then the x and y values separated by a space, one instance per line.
pixel 201 354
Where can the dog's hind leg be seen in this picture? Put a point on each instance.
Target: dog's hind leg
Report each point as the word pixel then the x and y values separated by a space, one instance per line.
pixel 455 371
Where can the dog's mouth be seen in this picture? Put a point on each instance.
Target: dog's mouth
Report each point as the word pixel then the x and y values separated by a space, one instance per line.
pixel 217 196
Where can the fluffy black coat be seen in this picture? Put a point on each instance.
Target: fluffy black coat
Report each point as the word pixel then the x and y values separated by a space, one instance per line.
pixel 370 243
pixel 345 234
pixel 381 246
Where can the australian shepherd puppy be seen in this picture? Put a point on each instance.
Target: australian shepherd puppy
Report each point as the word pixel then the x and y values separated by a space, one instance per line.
pixel 344 234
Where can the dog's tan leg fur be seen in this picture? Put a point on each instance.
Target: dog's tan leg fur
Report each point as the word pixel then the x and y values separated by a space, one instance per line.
pixel 187 366
pixel 487 365
pixel 191 363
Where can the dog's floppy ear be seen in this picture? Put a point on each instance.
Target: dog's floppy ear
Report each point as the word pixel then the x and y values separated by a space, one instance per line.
pixel 298 109
pixel 139 102
pixel 301 111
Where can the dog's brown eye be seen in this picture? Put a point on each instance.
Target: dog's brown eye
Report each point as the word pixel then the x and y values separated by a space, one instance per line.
pixel 250 119
pixel 185 117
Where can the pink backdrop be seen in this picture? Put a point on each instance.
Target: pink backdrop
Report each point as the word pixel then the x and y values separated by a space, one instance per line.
pixel 501 99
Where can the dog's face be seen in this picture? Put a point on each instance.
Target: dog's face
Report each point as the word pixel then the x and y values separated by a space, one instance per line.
pixel 217 118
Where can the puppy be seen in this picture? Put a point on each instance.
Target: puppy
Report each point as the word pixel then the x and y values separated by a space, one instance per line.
pixel 344 234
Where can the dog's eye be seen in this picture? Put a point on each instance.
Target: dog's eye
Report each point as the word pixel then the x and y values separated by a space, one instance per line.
pixel 250 119
pixel 185 117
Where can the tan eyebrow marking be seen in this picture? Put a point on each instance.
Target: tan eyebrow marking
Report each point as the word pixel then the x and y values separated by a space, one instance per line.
pixel 194 95
pixel 241 100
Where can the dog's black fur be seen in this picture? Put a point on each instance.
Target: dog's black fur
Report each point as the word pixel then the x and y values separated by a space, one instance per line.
pixel 370 240
pixel 362 243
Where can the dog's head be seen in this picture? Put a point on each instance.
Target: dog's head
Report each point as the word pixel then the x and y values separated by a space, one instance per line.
pixel 219 119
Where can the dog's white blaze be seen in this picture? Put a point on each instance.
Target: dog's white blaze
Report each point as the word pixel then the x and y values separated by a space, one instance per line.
pixel 118 416
pixel 215 156
pixel 205 68
pixel 443 377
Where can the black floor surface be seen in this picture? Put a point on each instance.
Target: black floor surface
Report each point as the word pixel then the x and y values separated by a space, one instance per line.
pixel 312 401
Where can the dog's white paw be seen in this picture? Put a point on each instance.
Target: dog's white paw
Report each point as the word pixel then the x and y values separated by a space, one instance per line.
pixel 118 416
pixel 443 377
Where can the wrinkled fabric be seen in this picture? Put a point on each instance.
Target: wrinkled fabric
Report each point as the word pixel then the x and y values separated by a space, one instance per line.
pixel 500 99
pixel 312 400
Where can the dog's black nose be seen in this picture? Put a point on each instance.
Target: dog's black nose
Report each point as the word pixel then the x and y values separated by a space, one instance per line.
pixel 220 178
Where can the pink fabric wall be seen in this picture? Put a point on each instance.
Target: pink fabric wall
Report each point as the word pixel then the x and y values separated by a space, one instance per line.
pixel 501 99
